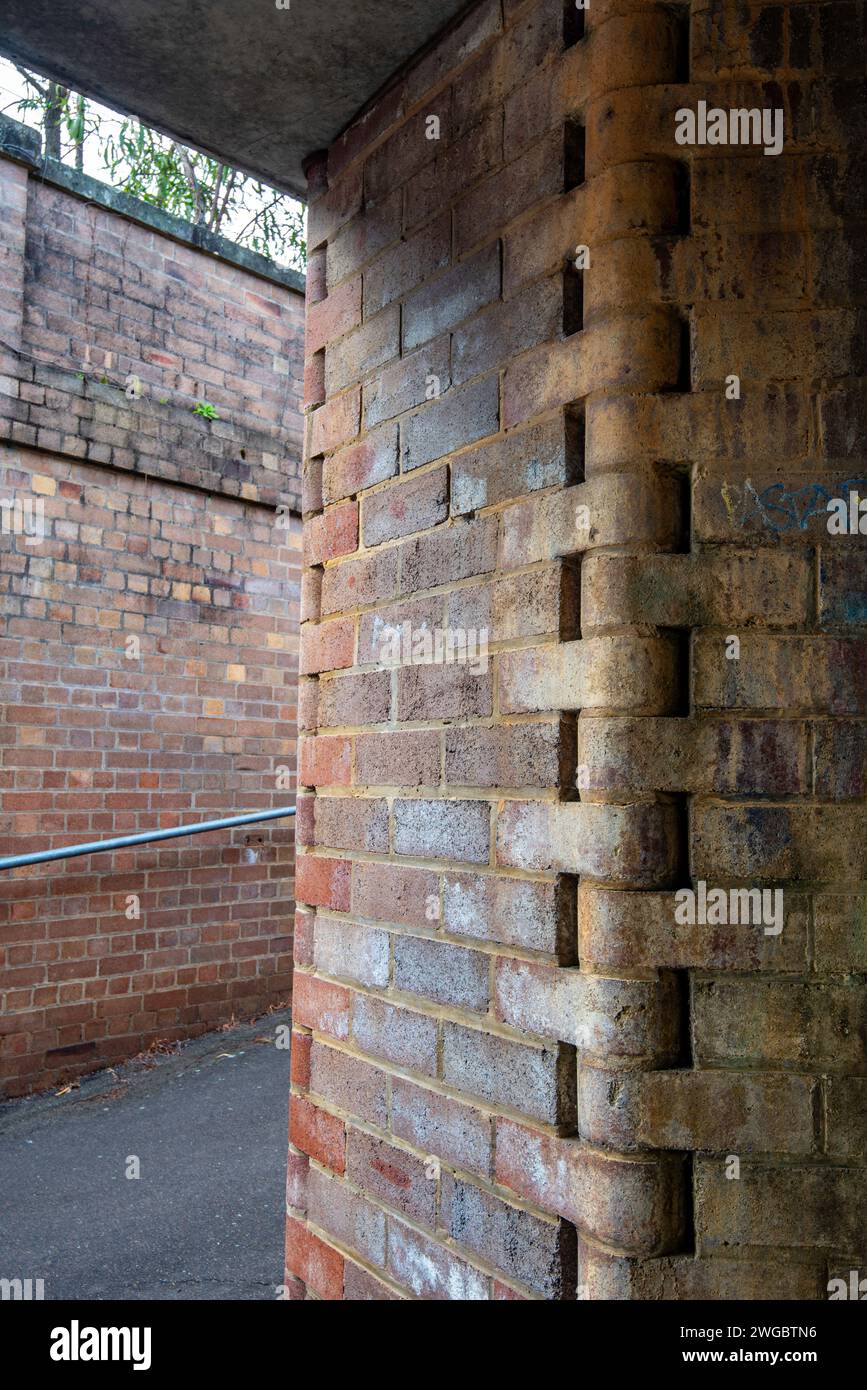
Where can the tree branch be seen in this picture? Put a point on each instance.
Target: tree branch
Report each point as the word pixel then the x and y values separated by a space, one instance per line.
pixel 195 186
pixel 44 92
pixel 230 184
pixel 257 215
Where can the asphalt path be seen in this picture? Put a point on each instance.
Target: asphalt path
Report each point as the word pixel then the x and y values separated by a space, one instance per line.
pixel 204 1220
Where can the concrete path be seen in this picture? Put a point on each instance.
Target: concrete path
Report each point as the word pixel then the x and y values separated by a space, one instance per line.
pixel 204 1220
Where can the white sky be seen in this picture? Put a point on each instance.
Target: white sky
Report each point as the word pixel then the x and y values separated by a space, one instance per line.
pixel 13 88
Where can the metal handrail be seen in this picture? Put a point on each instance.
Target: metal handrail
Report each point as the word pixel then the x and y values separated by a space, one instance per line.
pixel 45 856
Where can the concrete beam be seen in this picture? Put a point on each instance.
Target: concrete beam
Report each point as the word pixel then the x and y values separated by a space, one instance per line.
pixel 258 86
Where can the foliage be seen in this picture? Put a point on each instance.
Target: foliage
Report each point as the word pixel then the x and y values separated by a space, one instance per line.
pixel 166 174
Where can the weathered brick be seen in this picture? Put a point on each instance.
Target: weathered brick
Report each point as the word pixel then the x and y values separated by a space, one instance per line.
pixel 778 843
pixel 323 882
pixel 418 377
pixel 330 318
pixel 459 1133
pixel 406 150
pixel 847 1116
pixel 372 460
pixel 507 329
pixel 350 951
pixel 723 756
pixel 362 238
pixel 398 759
pixel 713 1110
pixel 434 829
pixel 344 822
pixel 327 646
pixel 405 265
pixel 392 1175
pixel 336 422
pixel 510 755
pixel 463 550
pixel 362 351
pixel 319 1265
pixel 393 893
pixel 321 1006
pixel 450 298
pixel 636 844
pixel 348 1083
pixel 535 916
pixel 333 208
pixel 500 198
pixel 797 1206
pixel 629 673
pixel 459 417
pixel 401 509
pixel 770 1021
pixel 325 762
pixel 457 167
pixel 344 1214
pixel 542 603
pixel 621 930
pixel 333 533
pixel 444 692
pixel 525 460
pixel 540 1254
pixel 447 974
pixel 633 1203
pixel 430 1270
pixel 537 1082
pixel 364 579
pixel 697 591
pixel 358 699
pixel 398 1035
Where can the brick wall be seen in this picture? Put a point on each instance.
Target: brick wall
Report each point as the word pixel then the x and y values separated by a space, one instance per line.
pixel 516 1072
pixel 149 637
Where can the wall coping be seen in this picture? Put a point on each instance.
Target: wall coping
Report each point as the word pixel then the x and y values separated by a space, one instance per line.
pixel 24 145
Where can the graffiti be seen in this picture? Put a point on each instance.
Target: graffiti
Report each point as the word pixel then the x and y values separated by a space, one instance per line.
pixel 778 508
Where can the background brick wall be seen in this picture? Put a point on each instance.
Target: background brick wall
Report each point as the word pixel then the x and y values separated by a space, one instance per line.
pixel 159 527
pixel 515 1075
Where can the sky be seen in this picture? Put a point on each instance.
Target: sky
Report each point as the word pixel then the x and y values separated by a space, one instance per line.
pixel 13 88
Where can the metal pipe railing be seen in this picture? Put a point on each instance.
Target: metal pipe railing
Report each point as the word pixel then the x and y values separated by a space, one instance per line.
pixel 46 856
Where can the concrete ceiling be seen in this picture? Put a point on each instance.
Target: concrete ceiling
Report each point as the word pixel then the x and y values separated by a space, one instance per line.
pixel 260 87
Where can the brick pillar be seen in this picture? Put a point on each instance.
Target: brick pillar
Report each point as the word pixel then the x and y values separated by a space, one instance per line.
pixel 518 1075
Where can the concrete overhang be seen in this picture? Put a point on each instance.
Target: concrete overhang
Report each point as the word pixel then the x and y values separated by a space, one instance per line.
pixel 257 86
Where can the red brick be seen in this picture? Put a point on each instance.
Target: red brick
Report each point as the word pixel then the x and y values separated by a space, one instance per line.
pixel 323 882
pixel 320 1005
pixel 327 646
pixel 318 1265
pixel 332 317
pixel 413 506
pixel 333 533
pixel 325 762
pixel 371 461
pixel 336 422
pixel 317 1133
